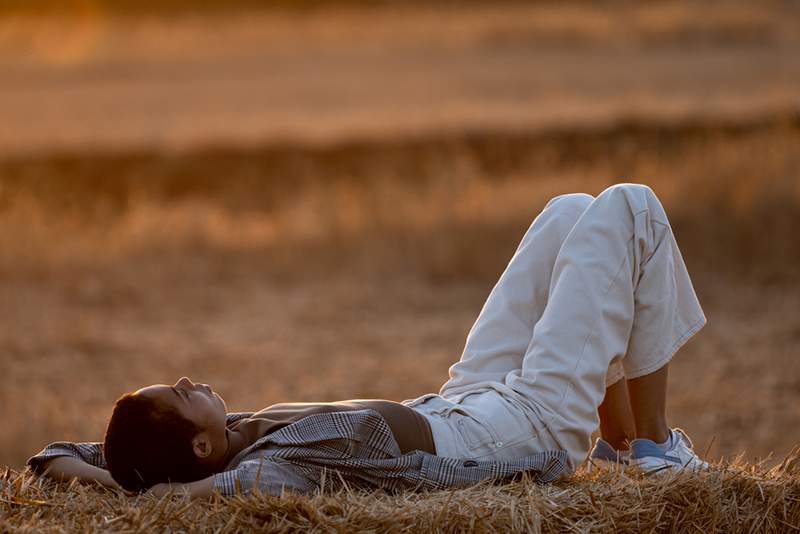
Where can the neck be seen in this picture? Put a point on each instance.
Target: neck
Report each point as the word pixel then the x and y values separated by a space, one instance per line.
pixel 235 444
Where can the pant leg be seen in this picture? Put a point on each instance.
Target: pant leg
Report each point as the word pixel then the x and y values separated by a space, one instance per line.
pixel 616 372
pixel 619 288
pixel 498 340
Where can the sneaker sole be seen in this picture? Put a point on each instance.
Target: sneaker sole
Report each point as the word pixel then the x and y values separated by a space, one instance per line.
pixel 658 465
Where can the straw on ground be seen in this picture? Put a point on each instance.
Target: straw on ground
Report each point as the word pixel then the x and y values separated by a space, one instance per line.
pixel 734 497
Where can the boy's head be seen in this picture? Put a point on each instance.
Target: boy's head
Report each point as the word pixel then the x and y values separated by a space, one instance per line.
pixel 166 434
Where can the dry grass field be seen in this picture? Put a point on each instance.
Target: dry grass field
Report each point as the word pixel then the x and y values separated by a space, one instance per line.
pixel 359 277
pixel 349 261
pixel 740 498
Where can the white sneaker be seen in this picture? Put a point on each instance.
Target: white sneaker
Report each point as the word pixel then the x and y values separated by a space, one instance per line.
pixel 652 458
pixel 604 454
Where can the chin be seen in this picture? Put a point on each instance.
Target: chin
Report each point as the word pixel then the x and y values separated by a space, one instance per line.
pixel 222 403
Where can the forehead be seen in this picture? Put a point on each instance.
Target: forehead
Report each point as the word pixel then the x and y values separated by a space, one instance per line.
pixel 157 391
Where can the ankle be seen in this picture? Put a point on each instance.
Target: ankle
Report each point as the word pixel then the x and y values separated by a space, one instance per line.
pixel 658 434
pixel 619 442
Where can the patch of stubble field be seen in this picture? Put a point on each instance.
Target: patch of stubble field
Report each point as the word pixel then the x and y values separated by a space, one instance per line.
pixel 734 498
pixel 289 273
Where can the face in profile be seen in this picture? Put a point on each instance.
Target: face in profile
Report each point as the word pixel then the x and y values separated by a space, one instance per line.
pixel 161 433
pixel 197 403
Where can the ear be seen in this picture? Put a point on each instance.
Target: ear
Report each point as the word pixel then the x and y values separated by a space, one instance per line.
pixel 201 445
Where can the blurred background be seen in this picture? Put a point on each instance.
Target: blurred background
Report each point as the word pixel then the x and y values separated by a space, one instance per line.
pixel 310 200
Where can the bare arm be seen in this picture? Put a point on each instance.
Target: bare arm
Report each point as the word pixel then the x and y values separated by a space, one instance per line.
pixel 200 489
pixel 64 460
pixel 67 468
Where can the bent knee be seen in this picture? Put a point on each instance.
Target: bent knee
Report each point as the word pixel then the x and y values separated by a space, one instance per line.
pixel 630 189
pixel 635 198
pixel 577 202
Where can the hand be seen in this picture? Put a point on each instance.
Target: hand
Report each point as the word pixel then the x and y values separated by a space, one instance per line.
pixel 66 468
pixel 107 480
pixel 165 488
pixel 199 489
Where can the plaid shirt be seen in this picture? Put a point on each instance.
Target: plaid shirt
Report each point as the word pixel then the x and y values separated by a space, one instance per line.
pixel 322 450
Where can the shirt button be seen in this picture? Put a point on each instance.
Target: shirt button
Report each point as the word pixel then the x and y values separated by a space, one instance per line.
pixel 498 444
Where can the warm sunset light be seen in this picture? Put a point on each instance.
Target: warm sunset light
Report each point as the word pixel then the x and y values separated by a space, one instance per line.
pixel 211 212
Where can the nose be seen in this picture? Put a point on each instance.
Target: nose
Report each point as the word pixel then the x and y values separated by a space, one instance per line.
pixel 185 383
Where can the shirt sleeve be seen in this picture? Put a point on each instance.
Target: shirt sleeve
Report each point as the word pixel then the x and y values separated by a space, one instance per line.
pixel 91 453
pixel 270 476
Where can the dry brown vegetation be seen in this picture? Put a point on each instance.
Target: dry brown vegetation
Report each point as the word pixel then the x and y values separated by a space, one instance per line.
pixel 736 498
pixel 355 271
pixel 283 270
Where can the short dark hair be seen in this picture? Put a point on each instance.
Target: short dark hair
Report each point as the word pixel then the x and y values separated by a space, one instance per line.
pixel 147 443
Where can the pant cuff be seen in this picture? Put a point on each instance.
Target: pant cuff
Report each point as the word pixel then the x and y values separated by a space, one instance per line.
pixel 665 359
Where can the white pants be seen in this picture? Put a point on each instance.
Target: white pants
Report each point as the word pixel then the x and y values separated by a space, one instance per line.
pixel 596 291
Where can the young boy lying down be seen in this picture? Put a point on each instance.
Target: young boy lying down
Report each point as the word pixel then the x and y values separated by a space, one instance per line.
pixel 578 332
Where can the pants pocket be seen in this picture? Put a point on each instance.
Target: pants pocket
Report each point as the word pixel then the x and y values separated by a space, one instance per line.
pixel 474 433
pixel 429 403
pixel 479 436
